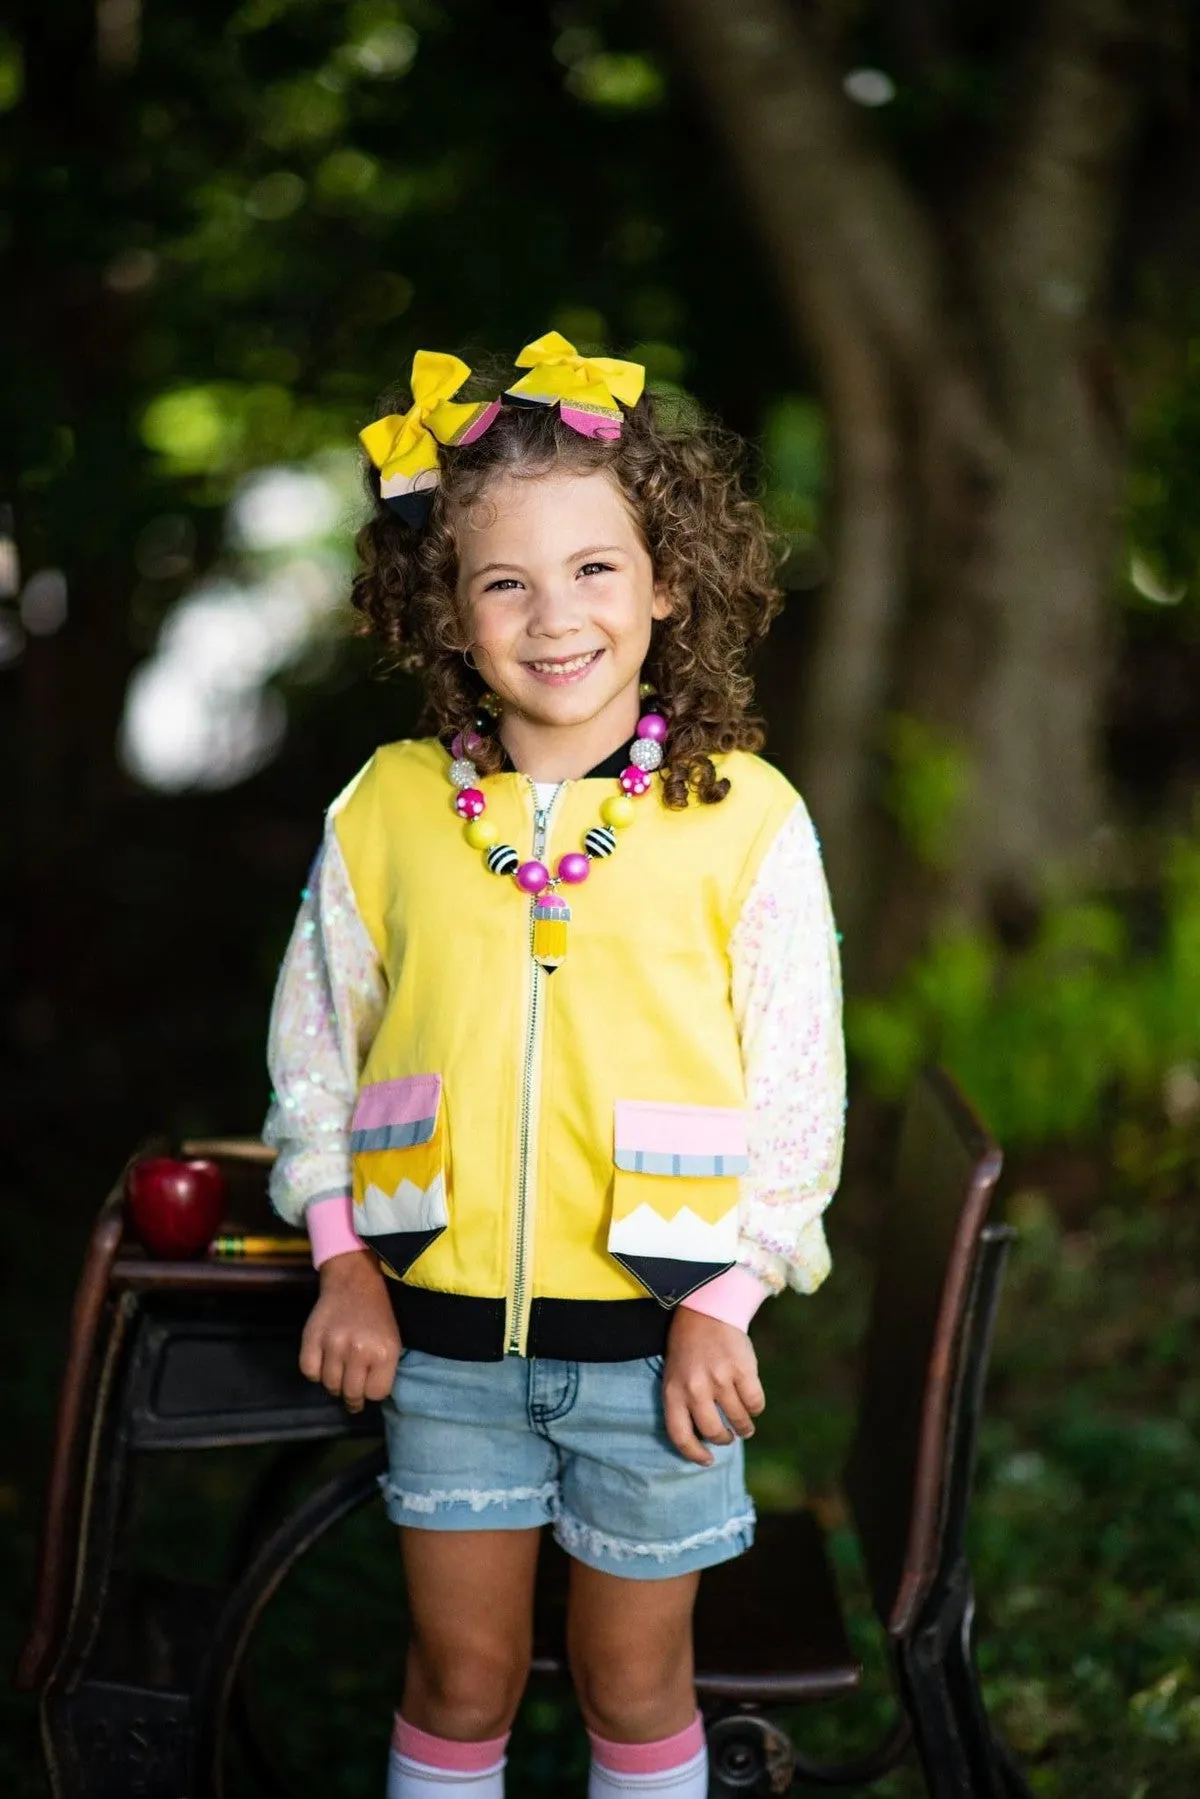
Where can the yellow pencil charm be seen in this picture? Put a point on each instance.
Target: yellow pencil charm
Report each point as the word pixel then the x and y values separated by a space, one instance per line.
pixel 551 916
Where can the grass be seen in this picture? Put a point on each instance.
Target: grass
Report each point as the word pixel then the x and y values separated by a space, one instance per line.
pixel 1085 1531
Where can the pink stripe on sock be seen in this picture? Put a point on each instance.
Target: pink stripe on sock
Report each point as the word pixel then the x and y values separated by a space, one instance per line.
pixel 440 1752
pixel 331 1228
pixel 650 1758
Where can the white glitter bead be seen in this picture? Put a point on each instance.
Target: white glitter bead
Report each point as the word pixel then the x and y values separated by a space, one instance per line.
pixel 646 754
pixel 463 773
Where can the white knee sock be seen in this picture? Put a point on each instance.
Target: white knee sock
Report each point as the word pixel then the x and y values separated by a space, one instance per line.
pixel 422 1766
pixel 674 1768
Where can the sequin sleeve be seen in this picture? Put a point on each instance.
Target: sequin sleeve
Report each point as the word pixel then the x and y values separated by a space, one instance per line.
pixel 787 999
pixel 328 1003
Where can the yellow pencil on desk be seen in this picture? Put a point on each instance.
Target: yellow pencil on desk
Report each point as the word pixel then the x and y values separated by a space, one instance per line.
pixel 236 1249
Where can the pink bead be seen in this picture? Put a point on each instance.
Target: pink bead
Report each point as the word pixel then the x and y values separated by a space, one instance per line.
pixel 532 877
pixel 655 726
pixel 465 746
pixel 573 867
pixel 634 780
pixel 470 803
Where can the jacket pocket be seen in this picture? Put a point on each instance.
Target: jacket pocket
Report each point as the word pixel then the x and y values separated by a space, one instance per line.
pixel 397 1149
pixel 675 1193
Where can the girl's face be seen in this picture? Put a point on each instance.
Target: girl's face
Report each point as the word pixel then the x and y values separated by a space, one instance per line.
pixel 560 594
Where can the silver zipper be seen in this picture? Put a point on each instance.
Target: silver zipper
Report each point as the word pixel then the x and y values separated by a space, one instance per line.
pixel 517 1331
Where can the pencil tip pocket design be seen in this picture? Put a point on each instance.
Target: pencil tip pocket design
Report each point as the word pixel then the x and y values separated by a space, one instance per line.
pixel 397 1143
pixel 675 1193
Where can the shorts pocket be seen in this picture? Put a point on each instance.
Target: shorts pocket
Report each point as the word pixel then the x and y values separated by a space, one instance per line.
pixel 397 1152
pixel 675 1193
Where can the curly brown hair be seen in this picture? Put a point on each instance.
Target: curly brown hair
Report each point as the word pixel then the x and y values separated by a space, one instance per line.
pixel 708 543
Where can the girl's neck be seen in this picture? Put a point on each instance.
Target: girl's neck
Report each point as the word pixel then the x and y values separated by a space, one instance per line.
pixel 567 752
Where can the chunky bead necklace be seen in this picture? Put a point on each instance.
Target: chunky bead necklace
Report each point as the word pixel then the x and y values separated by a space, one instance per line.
pixel 551 913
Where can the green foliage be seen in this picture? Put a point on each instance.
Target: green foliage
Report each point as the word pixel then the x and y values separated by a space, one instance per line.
pixel 622 83
pixel 226 426
pixel 795 456
pixel 12 72
pixel 1078 1036
pixel 1163 504
pixel 927 783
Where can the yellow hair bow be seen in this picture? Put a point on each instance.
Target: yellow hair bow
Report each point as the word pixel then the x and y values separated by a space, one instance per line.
pixel 404 446
pixel 584 388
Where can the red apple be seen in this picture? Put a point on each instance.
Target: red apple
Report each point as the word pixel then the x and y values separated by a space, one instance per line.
pixel 175 1206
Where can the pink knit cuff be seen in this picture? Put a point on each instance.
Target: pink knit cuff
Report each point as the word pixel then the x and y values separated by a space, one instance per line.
pixel 443 1754
pixel 733 1297
pixel 330 1227
pixel 650 1758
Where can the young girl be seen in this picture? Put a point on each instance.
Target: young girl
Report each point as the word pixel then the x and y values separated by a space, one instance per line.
pixel 557 1055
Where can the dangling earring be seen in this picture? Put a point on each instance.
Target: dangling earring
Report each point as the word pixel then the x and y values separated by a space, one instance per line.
pixel 487 702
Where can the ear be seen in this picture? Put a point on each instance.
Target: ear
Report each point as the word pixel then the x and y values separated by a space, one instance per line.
pixel 662 604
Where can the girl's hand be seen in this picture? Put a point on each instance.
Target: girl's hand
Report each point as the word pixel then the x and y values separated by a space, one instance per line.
pixel 709 1364
pixel 350 1342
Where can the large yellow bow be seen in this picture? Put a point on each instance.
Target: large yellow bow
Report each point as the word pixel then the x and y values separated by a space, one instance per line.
pixel 585 388
pixel 404 446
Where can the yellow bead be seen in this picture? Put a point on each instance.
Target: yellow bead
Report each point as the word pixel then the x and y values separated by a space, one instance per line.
pixel 617 811
pixel 481 833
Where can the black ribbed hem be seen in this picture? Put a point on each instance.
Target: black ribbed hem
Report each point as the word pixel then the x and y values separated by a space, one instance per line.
pixel 597 1330
pixel 465 1329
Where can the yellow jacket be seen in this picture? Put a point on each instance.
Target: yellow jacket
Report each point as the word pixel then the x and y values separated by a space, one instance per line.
pixel 547 1160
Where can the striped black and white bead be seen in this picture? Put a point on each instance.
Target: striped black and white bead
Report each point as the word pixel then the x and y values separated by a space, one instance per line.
pixel 600 842
pixel 503 859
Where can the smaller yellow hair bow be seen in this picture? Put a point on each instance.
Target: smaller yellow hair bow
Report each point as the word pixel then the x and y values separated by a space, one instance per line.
pixel 404 446
pixel 584 388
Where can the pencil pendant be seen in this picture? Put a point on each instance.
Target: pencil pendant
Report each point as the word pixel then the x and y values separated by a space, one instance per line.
pixel 551 916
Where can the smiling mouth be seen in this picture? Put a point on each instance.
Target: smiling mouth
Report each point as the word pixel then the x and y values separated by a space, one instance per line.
pixel 567 665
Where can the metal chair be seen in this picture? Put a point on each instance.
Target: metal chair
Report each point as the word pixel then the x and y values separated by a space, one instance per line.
pixel 140 1681
pixel 769 1626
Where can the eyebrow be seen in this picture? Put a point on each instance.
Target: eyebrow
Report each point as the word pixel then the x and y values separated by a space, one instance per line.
pixel 598 549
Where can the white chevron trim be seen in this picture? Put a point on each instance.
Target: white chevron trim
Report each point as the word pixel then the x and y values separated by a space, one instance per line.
pixel 409 1208
pixel 685 1238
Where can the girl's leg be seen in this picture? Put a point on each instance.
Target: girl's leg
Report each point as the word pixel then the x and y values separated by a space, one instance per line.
pixel 630 1649
pixel 470 1596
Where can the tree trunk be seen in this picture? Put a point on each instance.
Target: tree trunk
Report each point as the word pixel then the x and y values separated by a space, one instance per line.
pixel 832 741
pixel 1003 654
pixel 974 520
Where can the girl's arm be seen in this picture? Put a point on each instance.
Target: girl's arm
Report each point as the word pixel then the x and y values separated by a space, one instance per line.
pixel 787 1000
pixel 328 1004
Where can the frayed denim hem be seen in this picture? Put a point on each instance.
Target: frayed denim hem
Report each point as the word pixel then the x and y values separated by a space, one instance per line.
pixel 405 1507
pixel 654 1561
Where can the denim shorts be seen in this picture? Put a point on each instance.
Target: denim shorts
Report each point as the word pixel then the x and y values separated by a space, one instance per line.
pixel 581 1446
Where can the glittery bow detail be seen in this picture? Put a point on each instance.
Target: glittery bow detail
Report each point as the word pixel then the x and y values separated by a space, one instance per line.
pixel 585 389
pixel 404 446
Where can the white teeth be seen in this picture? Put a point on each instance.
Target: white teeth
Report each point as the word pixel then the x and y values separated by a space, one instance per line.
pixel 564 668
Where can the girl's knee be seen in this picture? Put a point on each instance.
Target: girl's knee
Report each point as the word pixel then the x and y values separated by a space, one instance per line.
pixel 637 1697
pixel 468 1691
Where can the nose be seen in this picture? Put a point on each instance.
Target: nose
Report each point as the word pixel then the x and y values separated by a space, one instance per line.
pixel 555 609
